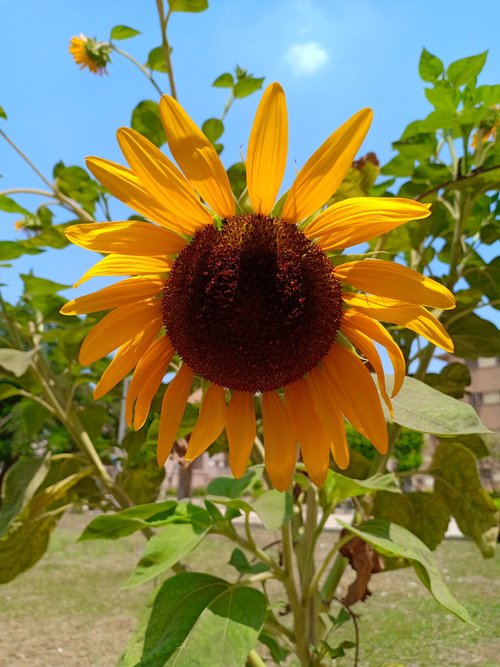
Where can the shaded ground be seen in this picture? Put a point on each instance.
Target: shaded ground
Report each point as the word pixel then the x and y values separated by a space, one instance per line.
pixel 69 611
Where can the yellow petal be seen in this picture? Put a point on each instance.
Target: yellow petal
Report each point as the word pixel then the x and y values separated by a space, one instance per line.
pixel 365 345
pixel 197 157
pixel 163 180
pixel 124 185
pixel 241 430
pixel 172 409
pixel 210 423
pixel 117 327
pixel 146 380
pixel 279 441
pixel 408 315
pixel 126 358
pixel 314 444
pixel 396 282
pixel 126 238
pixel 359 219
pixel 322 174
pixel 127 265
pixel 379 333
pixel 267 150
pixel 327 405
pixel 350 377
pixel 120 294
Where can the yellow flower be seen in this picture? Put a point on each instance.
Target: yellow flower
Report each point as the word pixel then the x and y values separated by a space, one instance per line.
pixel 89 53
pixel 251 302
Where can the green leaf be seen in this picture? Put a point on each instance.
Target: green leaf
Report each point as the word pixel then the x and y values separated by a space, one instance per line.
pixel 424 514
pixel 213 129
pixel 488 95
pixel 247 85
pixel 25 543
pixel 12 250
pixel 75 182
pixel 279 653
pixel 171 544
pixel 2 113
pixel 224 81
pixel 123 32
pixel 8 205
pixel 422 408
pixel 399 166
pixel 457 481
pixel 451 380
pixel 188 5
pixel 338 487
pixel 478 445
pixel 128 521
pixel 274 508
pixel 389 539
pixel 146 120
pixel 20 485
pixel 156 60
pixel 430 67
pixel 239 561
pixel 229 487
pixel 474 337
pixel 15 361
pixel 238 178
pixel 199 620
pixel 485 277
pixel 464 70
pixel 40 286
pixel 417 147
pixel 443 99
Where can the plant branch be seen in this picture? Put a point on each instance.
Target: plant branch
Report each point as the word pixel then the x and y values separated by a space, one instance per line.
pixel 473 174
pixel 165 45
pixel 141 68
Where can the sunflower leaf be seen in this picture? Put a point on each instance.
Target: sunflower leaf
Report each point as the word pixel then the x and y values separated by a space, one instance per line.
pixel 389 539
pixel 338 487
pixel 198 619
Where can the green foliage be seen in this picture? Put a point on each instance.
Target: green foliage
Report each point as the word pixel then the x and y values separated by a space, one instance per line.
pixel 452 379
pixel 457 481
pixel 146 120
pixel 123 32
pixel 429 67
pixel 156 60
pixel 337 488
pixel 389 539
pixel 188 5
pixel 198 619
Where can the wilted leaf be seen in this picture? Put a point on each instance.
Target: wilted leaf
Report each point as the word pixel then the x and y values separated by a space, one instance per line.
pixel 15 361
pixel 424 514
pixel 457 481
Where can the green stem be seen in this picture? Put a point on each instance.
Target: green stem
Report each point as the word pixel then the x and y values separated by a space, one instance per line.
pixel 166 46
pixel 254 659
pixel 141 68
pixel 314 585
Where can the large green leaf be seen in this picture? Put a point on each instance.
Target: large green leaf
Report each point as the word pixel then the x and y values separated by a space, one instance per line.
pixel 389 539
pixel 128 521
pixel 274 508
pixel 426 515
pixel 172 543
pixel 146 120
pixel 25 544
pixel 20 485
pixel 464 70
pixel 458 482
pixel 474 337
pixel 422 408
pixel 338 487
pixel 198 620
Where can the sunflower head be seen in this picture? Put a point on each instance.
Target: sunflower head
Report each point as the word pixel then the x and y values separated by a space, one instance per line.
pixel 90 54
pixel 249 302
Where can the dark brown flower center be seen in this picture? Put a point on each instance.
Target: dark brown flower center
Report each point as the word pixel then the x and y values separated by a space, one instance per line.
pixel 253 306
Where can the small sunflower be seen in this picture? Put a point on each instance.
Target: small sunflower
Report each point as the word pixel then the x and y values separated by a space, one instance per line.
pixel 250 301
pixel 90 53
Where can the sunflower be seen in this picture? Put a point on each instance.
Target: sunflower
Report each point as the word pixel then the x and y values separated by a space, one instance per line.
pixel 89 53
pixel 249 300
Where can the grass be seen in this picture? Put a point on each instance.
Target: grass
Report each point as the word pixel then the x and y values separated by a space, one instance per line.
pixel 70 609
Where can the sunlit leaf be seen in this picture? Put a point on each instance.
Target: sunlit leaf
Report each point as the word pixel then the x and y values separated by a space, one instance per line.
pixel 123 32
pixel 146 120
pixel 464 70
pixel 188 5
pixel 430 67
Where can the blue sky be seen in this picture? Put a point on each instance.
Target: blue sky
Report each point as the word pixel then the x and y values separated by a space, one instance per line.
pixel 332 57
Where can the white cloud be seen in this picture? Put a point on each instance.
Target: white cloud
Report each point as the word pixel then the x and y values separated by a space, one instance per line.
pixel 306 58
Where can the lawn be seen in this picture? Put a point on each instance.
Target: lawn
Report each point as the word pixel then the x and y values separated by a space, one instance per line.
pixel 69 610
